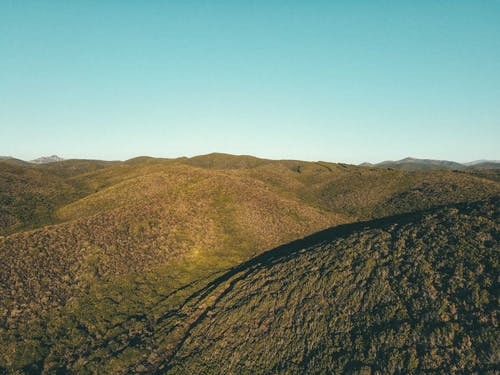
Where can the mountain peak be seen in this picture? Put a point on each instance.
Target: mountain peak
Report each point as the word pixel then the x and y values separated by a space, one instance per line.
pixel 46 159
pixel 409 158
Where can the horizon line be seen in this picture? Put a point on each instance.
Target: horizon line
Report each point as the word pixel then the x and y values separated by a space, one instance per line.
pixel 32 161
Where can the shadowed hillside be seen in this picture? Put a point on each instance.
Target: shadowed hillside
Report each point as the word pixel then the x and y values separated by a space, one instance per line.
pixel 409 294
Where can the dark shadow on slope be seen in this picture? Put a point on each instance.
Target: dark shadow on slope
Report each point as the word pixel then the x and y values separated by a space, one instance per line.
pixel 294 248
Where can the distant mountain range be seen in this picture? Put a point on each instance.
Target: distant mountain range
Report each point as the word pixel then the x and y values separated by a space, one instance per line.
pixel 408 163
pixel 428 164
pixel 40 160
pixel 46 159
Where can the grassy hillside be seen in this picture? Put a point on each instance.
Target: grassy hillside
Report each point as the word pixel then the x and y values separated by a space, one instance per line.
pixel 36 195
pixel 29 197
pixel 95 251
pixel 414 293
pixel 489 174
pixel 411 294
pixel 30 194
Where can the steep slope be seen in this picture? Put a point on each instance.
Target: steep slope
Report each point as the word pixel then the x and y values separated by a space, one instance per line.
pixel 415 293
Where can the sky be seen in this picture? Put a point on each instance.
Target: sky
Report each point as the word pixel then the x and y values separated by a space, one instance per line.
pixel 346 81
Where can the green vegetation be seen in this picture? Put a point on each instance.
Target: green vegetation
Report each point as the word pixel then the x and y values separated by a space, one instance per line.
pixel 416 293
pixel 109 267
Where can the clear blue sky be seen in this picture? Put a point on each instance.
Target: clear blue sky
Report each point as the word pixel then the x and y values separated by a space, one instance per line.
pixel 332 80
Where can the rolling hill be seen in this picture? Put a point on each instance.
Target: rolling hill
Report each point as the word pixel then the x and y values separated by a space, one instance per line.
pixel 113 246
pixel 412 293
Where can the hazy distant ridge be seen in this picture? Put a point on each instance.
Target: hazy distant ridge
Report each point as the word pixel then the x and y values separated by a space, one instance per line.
pixel 426 164
pixel 46 159
pixel 407 163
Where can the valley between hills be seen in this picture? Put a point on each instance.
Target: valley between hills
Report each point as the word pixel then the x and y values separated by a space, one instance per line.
pixel 235 264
